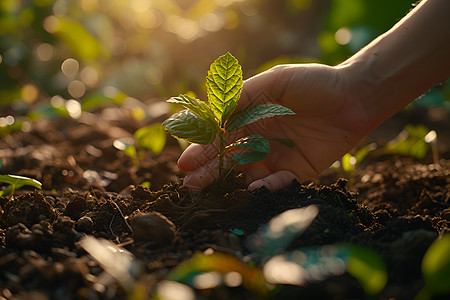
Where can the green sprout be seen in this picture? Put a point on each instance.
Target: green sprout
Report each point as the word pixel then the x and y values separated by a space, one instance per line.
pixel 436 269
pixel 151 138
pixel 15 182
pixel 206 122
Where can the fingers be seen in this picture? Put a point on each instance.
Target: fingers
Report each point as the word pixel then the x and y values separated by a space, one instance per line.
pixel 199 179
pixel 205 175
pixel 274 181
pixel 196 156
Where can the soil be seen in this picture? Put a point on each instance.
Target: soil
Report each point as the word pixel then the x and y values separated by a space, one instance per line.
pixel 394 205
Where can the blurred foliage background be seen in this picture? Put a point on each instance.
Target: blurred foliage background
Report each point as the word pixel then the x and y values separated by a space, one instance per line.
pixel 58 57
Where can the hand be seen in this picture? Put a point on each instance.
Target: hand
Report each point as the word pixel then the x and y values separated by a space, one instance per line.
pixel 336 106
pixel 327 124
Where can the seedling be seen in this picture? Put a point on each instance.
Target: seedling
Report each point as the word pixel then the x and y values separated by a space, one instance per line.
pixel 436 269
pixel 214 123
pixel 16 182
pixel 151 138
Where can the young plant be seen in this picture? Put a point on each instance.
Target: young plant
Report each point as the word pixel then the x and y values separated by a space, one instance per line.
pixel 151 138
pixel 15 182
pixel 204 122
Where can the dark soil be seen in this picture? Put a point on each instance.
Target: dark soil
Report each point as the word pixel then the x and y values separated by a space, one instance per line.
pixel 395 205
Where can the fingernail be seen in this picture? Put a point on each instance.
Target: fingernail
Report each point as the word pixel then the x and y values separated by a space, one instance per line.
pixel 254 185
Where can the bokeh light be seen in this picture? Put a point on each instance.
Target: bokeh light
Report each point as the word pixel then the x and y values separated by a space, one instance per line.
pixel 44 52
pixel 6 121
pixel 207 280
pixel 343 36
pixel 90 76
pixel 232 279
pixel 278 270
pixel 74 108
pixel 51 24
pixel 76 88
pixel 152 50
pixel 29 93
pixel 171 290
pixel 70 67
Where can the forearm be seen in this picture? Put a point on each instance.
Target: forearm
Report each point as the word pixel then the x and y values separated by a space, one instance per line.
pixel 403 63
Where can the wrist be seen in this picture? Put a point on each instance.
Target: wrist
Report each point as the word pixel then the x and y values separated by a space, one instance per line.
pixel 401 64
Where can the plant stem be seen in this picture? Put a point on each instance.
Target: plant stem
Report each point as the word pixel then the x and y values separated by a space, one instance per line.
pixel 221 154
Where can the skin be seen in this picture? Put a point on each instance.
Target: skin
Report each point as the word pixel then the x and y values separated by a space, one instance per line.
pixel 336 106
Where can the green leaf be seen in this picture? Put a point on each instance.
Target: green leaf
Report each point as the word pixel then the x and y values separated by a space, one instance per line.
pixel 146 184
pixel 196 106
pixel 188 126
pixel 222 263
pixel 16 182
pixel 224 85
pixel 255 113
pixel 152 138
pixel 254 142
pixel 78 39
pixel 367 267
pixel 248 157
pixel 362 263
pixel 410 141
pixel 436 266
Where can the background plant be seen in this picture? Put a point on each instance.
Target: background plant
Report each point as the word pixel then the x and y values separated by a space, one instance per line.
pixel 140 47
pixel 15 182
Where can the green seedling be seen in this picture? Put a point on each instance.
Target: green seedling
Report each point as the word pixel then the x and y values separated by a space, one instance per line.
pixel 214 123
pixel 151 138
pixel 16 182
pixel 414 141
pixel 436 269
pixel 348 163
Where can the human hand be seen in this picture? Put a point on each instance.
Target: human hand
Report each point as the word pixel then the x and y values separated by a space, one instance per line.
pixel 329 121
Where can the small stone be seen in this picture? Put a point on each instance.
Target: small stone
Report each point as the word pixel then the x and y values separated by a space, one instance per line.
pixel 85 224
pixel 154 228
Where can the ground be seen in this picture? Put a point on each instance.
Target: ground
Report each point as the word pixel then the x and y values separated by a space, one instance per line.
pixel 395 205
